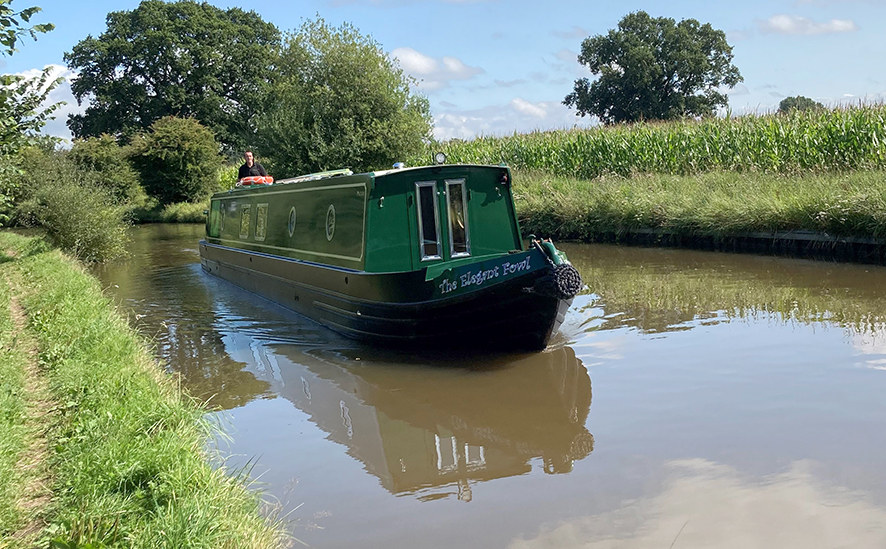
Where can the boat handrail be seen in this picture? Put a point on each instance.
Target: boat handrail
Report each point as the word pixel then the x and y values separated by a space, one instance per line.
pixel 316 176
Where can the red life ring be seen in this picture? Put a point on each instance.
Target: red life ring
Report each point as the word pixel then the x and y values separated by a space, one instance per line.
pixel 256 180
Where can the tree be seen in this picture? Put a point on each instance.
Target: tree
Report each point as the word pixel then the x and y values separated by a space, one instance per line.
pixel 108 160
pixel 178 160
pixel 21 115
pixel 183 59
pixel 654 69
pixel 798 103
pixel 340 102
pixel 20 98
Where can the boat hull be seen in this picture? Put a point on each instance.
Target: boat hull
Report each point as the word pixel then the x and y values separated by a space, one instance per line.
pixel 451 310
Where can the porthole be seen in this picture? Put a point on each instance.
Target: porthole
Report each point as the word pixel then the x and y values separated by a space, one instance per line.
pixel 292 221
pixel 330 223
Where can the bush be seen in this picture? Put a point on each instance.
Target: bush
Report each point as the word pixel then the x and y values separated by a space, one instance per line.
pixel 80 216
pixel 177 160
pixel 109 161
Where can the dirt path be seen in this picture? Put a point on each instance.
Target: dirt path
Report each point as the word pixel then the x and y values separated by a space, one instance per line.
pixel 36 495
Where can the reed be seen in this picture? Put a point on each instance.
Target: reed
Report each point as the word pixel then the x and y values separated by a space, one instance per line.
pixel 851 138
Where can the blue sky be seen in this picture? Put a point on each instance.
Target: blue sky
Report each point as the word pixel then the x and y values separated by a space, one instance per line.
pixel 499 66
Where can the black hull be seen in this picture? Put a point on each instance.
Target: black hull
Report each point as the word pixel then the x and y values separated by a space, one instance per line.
pixel 396 308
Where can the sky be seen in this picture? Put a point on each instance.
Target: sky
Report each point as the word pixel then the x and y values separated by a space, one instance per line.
pixel 495 67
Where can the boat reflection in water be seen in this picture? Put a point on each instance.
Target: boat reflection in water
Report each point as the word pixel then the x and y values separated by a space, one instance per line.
pixel 434 430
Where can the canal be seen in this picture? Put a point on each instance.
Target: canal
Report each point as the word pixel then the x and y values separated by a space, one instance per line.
pixel 692 399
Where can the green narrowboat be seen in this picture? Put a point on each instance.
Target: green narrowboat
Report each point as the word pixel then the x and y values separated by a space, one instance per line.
pixel 429 256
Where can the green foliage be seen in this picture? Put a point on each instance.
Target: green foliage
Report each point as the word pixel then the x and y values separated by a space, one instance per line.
pixel 654 69
pixel 340 102
pixel 21 115
pixel 177 160
pixel 796 142
pixel 799 103
pixel 11 28
pixel 103 156
pixel 226 178
pixel 717 203
pixel 13 431
pixel 130 467
pixel 184 59
pixel 78 214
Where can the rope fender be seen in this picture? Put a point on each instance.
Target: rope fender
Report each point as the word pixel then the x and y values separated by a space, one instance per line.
pixel 564 281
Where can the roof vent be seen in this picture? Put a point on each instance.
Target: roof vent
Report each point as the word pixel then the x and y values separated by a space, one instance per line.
pixel 399 165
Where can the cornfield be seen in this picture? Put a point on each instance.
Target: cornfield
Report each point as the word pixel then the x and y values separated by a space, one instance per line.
pixel 852 138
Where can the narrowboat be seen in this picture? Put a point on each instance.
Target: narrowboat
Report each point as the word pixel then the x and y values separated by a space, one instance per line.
pixel 428 256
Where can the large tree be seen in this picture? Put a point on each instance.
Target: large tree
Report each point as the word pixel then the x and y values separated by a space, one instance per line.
pixel 341 101
pixel 184 59
pixel 798 103
pixel 654 69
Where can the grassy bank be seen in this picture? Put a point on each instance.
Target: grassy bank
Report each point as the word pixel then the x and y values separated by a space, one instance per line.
pixel 128 460
pixel 798 142
pixel 13 430
pixel 718 203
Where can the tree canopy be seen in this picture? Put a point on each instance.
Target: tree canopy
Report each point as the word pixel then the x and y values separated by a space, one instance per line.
pixel 183 58
pixel 798 103
pixel 654 69
pixel 340 102
pixel 177 160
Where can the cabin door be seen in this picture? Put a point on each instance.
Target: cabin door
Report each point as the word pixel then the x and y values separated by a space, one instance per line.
pixel 441 221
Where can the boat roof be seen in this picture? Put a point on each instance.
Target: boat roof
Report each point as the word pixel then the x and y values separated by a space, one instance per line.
pixel 344 172
pixel 379 173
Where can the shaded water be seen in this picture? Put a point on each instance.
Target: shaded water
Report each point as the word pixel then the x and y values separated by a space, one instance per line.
pixel 693 399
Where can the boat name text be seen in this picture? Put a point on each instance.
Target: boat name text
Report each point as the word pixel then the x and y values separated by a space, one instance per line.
pixel 479 278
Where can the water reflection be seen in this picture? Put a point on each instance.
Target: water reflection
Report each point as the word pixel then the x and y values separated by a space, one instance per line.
pixel 429 428
pixel 162 289
pixel 704 504
pixel 665 290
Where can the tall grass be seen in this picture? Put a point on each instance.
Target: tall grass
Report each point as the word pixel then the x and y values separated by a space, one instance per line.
pixel 851 138
pixel 719 203
pixel 130 466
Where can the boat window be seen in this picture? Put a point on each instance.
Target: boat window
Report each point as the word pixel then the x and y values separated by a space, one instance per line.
pixel 459 244
pixel 244 221
pixel 261 221
pixel 214 219
pixel 428 220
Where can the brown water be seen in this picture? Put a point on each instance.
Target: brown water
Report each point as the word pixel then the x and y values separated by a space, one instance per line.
pixel 738 401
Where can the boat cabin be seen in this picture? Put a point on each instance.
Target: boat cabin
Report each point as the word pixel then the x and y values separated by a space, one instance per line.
pixel 379 222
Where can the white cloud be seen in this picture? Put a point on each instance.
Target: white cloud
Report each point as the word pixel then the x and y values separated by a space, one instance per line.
pixel 509 83
pixel 797 25
pixel 58 127
pixel 567 55
pixel 573 33
pixel 738 89
pixel 521 105
pixel 517 115
pixel 705 504
pixel 433 74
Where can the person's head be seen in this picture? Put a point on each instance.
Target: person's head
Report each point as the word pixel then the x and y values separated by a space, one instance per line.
pixel 248 157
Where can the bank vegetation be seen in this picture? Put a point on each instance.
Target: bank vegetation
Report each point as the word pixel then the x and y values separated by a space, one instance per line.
pixel 125 450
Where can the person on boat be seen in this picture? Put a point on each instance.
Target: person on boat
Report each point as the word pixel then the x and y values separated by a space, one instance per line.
pixel 251 167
